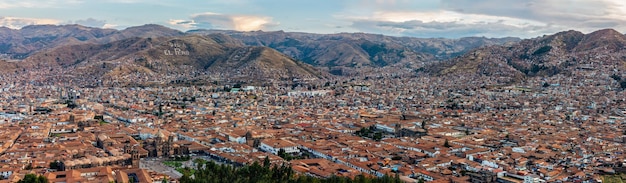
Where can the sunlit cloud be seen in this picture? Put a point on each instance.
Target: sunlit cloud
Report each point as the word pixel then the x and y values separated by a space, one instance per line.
pixel 211 20
pixel 19 22
pixel 499 18
pixel 8 4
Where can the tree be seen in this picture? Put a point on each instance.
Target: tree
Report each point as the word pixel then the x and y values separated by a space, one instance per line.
pixel 32 178
pixel 546 84
pixel 616 77
pixel 446 143
pixel 623 84
pixel 256 143
pixel 378 136
pixel 282 153
pixel 258 173
pixel 55 165
pixel 266 162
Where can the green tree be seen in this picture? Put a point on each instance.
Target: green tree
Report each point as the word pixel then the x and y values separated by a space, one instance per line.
pixel 378 136
pixel 55 165
pixel 266 161
pixel 446 143
pixel 616 77
pixel 282 153
pixel 32 178
pixel 211 172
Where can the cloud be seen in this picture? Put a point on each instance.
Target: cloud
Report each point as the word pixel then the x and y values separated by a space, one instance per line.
pixel 448 24
pixel 183 24
pixel 456 29
pixel 9 4
pixel 19 22
pixel 222 21
pixel 493 18
pixel 91 22
pixel 574 14
pixel 111 26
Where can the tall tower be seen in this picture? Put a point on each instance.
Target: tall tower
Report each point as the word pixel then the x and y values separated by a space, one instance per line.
pixel 168 150
pixel 135 157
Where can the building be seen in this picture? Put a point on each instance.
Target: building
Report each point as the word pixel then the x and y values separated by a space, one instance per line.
pixel 273 146
pixel 100 174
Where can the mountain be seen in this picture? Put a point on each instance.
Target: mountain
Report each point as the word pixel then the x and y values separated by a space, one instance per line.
pixel 564 53
pixel 19 44
pixel 335 52
pixel 360 49
pixel 187 57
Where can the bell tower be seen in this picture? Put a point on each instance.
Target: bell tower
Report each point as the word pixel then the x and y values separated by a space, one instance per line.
pixel 135 158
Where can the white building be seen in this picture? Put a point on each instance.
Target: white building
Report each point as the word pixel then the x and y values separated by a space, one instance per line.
pixel 273 146
pixel 6 172
pixel 386 128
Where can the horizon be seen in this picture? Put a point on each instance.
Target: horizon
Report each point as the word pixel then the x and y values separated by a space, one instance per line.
pixel 401 18
pixel 200 29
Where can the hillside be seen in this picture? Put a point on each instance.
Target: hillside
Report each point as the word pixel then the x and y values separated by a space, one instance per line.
pixel 360 49
pixel 19 44
pixel 186 57
pixel 564 53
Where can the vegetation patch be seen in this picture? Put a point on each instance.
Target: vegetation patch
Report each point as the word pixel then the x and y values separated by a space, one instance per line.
pixel 621 178
pixel 173 164
pixel 212 172
pixel 542 50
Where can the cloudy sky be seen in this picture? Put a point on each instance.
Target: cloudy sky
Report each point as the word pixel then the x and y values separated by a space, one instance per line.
pixel 418 18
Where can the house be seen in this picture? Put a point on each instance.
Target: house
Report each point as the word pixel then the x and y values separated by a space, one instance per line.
pixel 238 136
pixel 273 146
pixel 386 127
pixel 6 172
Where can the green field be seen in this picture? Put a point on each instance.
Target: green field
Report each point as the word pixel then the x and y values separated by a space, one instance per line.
pixel 614 178
pixel 173 164
pixel 186 171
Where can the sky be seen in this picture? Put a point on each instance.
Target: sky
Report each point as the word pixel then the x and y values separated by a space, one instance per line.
pixel 414 18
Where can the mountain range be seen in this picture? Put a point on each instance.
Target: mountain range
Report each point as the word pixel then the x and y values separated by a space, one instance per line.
pixel 146 52
pixel 19 44
pixel 360 49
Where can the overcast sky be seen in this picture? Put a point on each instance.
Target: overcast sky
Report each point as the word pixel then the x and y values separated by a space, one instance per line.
pixel 418 18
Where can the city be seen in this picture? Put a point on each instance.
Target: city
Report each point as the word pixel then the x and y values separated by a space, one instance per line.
pixel 351 91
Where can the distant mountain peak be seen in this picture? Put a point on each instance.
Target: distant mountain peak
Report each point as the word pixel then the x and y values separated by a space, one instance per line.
pixel 608 39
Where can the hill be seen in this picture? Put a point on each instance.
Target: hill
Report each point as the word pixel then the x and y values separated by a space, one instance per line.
pixel 19 44
pixel 171 58
pixel 564 53
pixel 360 49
